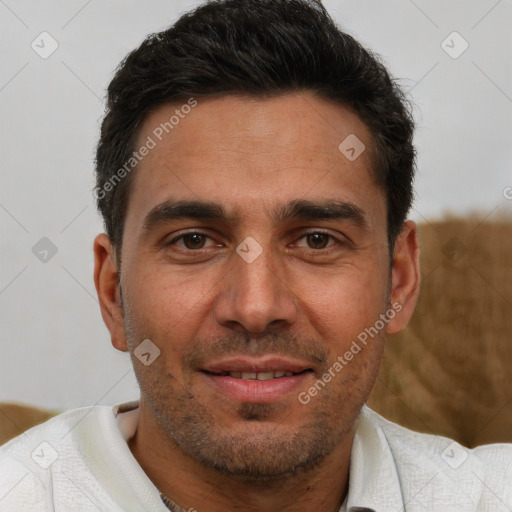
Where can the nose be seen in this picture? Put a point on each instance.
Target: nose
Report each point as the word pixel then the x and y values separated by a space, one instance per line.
pixel 254 297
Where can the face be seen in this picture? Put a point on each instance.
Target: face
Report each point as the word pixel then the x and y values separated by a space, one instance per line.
pixel 254 255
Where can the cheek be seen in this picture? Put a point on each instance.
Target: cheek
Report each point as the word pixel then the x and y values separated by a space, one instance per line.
pixel 166 308
pixel 342 305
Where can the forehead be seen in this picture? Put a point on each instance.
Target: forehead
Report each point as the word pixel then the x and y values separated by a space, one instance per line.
pixel 250 153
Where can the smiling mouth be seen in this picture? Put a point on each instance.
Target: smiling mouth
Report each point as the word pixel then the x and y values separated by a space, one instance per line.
pixel 278 374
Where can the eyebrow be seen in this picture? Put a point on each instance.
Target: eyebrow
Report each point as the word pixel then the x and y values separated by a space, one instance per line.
pixel 302 209
pixel 170 210
pixel 298 209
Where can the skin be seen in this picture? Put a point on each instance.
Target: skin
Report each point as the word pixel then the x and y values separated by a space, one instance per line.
pixel 304 298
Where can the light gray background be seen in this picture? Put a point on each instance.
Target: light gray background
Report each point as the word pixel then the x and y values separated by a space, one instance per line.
pixel 55 350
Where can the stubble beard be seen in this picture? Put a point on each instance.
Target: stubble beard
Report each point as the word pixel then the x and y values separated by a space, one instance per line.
pixel 258 450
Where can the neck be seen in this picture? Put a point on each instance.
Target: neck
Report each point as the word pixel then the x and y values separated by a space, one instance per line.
pixel 189 485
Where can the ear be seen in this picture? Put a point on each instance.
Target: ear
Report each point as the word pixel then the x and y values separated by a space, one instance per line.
pixel 405 277
pixel 106 279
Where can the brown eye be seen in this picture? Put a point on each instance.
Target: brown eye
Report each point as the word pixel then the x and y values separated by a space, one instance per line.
pixel 194 240
pixel 317 240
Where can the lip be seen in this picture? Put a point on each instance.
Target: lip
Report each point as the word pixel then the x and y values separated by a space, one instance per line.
pixel 256 365
pixel 257 391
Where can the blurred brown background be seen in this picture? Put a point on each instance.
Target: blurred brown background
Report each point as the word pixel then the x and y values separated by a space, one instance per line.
pixel 450 371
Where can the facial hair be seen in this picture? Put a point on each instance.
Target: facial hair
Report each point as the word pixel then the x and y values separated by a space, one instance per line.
pixel 258 448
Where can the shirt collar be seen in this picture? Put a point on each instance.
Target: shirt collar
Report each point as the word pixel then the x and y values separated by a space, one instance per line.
pixel 374 485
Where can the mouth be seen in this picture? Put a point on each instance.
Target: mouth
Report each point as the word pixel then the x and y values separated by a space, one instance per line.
pixel 265 375
pixel 259 381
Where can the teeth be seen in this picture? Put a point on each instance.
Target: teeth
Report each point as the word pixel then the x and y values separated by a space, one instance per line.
pixel 265 375
pixel 260 375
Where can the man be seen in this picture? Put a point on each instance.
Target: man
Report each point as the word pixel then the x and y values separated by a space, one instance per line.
pixel 254 173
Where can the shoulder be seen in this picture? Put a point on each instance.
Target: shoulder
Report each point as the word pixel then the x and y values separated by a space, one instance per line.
pixel 404 441
pixel 443 466
pixel 27 461
pixel 497 464
pixel 62 429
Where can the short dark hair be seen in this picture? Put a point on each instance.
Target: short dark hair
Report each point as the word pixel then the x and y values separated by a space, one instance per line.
pixel 256 48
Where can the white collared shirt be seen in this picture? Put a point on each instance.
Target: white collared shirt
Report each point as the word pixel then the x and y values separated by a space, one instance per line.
pixel 80 461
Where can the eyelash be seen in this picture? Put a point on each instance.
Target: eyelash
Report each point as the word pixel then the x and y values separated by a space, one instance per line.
pixel 201 233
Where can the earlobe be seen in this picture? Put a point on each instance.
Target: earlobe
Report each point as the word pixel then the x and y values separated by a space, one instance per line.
pixel 106 280
pixel 405 278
